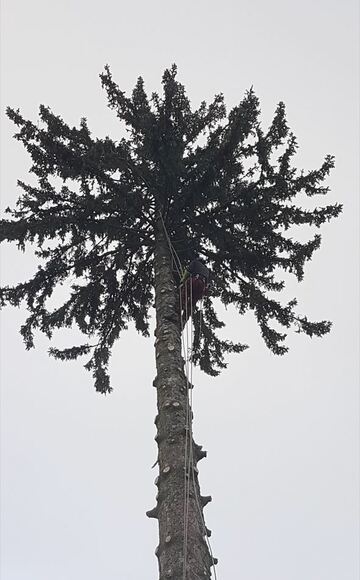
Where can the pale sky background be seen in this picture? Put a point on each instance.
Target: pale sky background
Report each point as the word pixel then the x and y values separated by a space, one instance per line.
pixel 281 433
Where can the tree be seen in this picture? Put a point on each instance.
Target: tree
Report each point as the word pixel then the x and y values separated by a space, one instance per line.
pixel 112 215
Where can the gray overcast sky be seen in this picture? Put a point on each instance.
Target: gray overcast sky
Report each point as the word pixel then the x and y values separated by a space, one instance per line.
pixel 281 433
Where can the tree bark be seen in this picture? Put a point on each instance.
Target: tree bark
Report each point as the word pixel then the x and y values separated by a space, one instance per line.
pixel 171 386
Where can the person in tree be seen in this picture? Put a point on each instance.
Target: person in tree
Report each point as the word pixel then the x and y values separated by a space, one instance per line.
pixel 193 285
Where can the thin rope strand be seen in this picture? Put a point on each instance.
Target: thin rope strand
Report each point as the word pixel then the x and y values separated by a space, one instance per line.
pixel 203 523
pixel 197 499
pixel 188 407
pixel 201 316
pixel 184 349
pixel 187 467
pixel 174 255
pixel 189 396
pixel 189 453
pixel 188 354
pixel 185 451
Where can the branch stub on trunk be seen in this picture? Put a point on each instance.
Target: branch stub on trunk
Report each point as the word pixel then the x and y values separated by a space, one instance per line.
pixel 153 513
pixel 205 499
pixel 199 452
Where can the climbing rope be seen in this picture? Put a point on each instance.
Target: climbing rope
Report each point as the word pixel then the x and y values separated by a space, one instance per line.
pixel 187 442
pixel 187 347
pixel 174 255
pixel 189 451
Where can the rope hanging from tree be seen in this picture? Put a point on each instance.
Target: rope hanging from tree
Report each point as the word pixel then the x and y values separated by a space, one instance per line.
pixel 174 255
pixel 187 340
pixel 187 344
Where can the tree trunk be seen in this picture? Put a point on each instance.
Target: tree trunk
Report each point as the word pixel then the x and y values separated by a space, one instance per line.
pixel 172 402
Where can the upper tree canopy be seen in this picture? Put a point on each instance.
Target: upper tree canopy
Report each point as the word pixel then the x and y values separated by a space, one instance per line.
pixel 225 187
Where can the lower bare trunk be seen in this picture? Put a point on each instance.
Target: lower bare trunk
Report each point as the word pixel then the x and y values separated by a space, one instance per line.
pixel 172 401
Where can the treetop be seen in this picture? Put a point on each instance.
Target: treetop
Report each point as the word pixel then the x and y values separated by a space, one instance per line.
pixel 226 189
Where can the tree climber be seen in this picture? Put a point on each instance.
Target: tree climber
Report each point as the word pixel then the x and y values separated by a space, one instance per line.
pixel 193 286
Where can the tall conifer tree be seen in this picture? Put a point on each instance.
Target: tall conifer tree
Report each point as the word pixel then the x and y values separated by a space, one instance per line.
pixel 217 185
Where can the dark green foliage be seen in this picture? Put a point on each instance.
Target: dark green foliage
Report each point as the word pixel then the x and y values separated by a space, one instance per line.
pixel 226 189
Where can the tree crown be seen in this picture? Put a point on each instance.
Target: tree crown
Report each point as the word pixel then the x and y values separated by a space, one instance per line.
pixel 225 188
